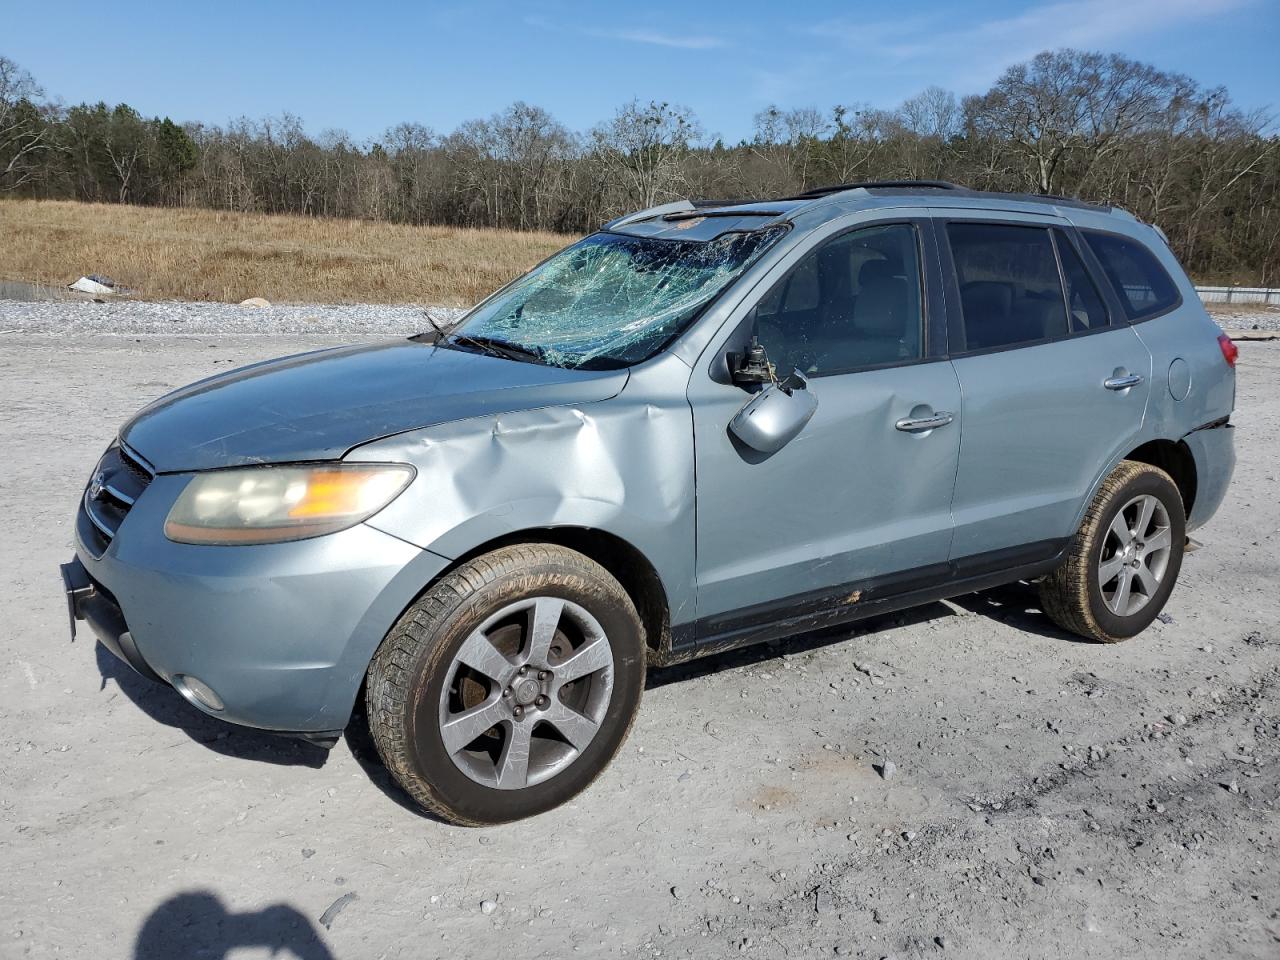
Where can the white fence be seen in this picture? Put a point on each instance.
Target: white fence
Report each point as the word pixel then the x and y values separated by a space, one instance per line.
pixel 1265 295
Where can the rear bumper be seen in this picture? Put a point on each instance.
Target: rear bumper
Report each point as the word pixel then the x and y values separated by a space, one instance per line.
pixel 1214 450
pixel 281 633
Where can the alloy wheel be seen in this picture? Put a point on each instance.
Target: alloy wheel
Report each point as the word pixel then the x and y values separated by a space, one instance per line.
pixel 526 693
pixel 1135 555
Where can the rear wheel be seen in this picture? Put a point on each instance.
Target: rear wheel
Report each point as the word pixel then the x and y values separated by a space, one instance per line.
pixel 509 685
pixel 1124 560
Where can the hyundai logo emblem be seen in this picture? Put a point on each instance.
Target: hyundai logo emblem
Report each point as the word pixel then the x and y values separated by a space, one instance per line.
pixel 95 485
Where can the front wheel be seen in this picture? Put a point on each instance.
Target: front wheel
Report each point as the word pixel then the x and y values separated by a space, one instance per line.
pixel 1124 560
pixel 509 685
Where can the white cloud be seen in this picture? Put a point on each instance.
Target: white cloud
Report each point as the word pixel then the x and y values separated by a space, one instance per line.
pixel 656 38
pixel 975 53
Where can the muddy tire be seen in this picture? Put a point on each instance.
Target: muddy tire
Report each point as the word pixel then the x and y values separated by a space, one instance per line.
pixel 1123 562
pixel 508 686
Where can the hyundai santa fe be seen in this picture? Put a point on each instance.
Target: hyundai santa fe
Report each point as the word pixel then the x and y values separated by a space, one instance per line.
pixel 707 425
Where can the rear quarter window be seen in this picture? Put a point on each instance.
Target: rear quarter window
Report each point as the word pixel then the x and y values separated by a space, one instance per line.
pixel 1142 284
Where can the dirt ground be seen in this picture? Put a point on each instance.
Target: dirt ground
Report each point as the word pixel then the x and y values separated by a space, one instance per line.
pixel 1050 797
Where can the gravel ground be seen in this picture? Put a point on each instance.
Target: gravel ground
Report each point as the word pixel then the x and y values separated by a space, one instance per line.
pixel 1233 317
pixel 85 316
pixel 1047 798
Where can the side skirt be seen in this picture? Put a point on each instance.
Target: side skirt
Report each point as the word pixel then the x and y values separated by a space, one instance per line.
pixel 817 610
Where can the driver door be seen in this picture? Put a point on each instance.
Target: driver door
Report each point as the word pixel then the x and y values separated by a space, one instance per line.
pixel 860 501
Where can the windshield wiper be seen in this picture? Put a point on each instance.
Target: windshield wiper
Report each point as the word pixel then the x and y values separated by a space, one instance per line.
pixel 500 348
pixel 439 332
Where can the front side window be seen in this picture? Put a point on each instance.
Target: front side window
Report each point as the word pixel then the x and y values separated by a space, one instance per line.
pixel 1144 287
pixel 610 300
pixel 1010 292
pixel 854 301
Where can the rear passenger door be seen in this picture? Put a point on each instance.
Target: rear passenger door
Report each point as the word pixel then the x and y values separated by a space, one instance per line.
pixel 1054 383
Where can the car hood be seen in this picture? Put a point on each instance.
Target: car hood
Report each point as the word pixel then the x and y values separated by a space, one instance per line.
pixel 317 406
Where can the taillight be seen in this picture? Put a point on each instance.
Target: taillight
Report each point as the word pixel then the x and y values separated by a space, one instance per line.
pixel 1229 350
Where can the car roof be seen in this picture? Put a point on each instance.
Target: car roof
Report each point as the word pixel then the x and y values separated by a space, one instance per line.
pixel 702 220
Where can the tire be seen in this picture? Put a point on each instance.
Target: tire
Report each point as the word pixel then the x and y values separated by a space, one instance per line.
pixel 1083 595
pixel 451 667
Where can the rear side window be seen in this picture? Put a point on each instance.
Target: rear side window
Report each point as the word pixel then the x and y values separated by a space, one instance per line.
pixel 1085 307
pixel 1010 291
pixel 1144 287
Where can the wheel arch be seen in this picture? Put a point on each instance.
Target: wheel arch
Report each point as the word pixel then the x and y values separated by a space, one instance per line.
pixel 627 563
pixel 1174 457
pixel 624 561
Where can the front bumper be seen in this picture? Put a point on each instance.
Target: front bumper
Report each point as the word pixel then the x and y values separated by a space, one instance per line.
pixel 88 602
pixel 282 633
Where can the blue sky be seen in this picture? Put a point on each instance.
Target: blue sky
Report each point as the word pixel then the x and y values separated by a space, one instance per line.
pixel 366 66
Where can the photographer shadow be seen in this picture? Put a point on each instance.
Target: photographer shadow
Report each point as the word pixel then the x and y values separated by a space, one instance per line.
pixel 196 925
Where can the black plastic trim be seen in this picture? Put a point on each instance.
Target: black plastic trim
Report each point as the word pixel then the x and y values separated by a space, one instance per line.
pixel 830 606
pixel 826 191
pixel 1211 425
pixel 703 213
pixel 911 187
pixel 89 601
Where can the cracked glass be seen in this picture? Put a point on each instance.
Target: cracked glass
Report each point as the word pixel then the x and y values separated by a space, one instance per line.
pixel 610 300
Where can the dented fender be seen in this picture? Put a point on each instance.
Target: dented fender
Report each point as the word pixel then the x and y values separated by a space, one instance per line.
pixel 623 466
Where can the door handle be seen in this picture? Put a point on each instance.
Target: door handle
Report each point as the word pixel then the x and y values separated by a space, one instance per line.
pixel 1124 382
pixel 921 424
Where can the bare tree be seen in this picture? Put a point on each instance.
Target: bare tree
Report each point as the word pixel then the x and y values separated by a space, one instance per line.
pixel 1068 102
pixel 22 129
pixel 1086 124
pixel 788 142
pixel 643 146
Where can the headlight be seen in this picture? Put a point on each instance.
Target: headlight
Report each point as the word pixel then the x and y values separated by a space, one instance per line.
pixel 272 504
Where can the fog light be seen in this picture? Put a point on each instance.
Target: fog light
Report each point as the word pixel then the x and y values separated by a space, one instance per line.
pixel 197 691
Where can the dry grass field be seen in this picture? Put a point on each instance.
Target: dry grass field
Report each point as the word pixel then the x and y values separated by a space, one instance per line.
pixel 184 254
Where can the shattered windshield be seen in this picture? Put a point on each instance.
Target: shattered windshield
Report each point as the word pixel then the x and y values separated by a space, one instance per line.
pixel 609 300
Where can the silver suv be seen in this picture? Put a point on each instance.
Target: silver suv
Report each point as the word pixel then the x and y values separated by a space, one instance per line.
pixel 707 425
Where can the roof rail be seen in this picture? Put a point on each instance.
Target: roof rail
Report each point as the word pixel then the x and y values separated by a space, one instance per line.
pixel 909 185
pixel 878 184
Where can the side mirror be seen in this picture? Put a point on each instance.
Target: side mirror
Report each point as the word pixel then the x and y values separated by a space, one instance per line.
pixel 774 416
pixel 752 367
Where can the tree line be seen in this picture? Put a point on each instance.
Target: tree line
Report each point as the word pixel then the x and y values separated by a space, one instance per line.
pixel 1096 126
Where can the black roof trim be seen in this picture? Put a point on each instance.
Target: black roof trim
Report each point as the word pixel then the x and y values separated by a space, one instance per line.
pixel 877 185
pixel 735 202
pixel 697 214
pixel 907 187
pixel 1049 198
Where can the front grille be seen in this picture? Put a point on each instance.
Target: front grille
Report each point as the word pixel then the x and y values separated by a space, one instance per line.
pixel 118 481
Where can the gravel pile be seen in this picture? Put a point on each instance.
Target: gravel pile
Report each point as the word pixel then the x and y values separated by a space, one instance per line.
pixel 1233 317
pixel 177 317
